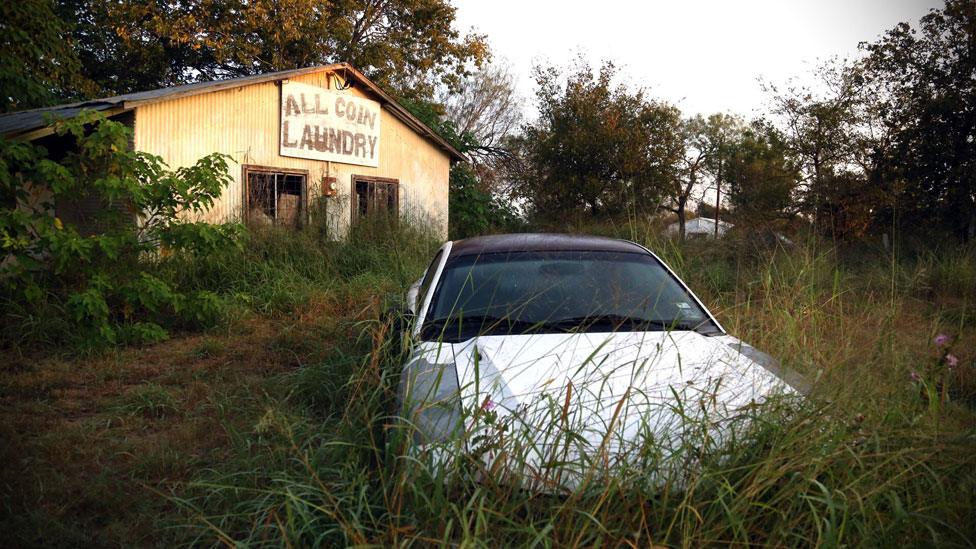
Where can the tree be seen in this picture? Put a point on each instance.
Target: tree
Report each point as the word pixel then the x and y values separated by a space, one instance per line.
pixel 761 176
pixel 929 107
pixel 697 154
pixel 724 131
pixel 474 208
pixel 39 65
pixel 116 59
pixel 841 138
pixel 482 113
pixel 594 147
pixel 486 106
pixel 819 129
pixel 406 46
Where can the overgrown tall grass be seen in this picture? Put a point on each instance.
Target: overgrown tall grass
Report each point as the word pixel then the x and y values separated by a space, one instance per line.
pixel 280 269
pixel 874 457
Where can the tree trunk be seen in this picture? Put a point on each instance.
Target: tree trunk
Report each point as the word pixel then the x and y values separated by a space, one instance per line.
pixel 681 221
pixel 718 195
pixel 816 192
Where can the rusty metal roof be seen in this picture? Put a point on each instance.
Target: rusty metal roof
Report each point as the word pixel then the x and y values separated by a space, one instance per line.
pixel 15 124
pixel 22 123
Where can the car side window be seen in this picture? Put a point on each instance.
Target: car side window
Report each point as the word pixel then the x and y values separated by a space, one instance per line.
pixel 428 278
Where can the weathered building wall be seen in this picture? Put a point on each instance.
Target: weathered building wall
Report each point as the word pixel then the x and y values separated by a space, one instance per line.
pixel 244 123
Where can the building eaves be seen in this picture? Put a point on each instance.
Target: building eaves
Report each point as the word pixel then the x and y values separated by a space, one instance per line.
pixel 28 124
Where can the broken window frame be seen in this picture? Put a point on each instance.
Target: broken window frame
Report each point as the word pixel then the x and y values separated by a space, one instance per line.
pixel 370 181
pixel 250 169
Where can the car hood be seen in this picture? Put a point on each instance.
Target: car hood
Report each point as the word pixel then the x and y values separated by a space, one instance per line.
pixel 562 405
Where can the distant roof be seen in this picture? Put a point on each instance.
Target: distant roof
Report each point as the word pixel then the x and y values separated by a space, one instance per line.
pixel 17 124
pixel 701 223
pixel 533 242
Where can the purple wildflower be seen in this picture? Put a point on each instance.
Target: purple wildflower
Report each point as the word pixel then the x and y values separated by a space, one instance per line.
pixel 941 340
pixel 951 360
pixel 914 376
pixel 488 405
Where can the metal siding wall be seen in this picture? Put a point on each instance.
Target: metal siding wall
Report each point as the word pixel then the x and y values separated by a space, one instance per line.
pixel 243 123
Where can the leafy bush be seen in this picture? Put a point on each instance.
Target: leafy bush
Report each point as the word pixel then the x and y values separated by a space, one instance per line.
pixel 101 279
pixel 475 211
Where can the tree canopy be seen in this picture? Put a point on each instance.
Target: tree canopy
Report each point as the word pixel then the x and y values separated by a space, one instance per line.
pixel 408 47
pixel 595 146
pixel 886 140
pixel 761 175
pixel 927 97
pixel 40 63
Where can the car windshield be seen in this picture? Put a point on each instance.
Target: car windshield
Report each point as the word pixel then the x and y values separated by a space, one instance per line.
pixel 559 292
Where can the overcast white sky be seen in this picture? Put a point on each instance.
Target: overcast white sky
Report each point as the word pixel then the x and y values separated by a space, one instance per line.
pixel 704 55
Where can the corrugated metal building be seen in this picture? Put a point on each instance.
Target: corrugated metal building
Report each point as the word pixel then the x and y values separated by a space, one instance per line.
pixel 297 136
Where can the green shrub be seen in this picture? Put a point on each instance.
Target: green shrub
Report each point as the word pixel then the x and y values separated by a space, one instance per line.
pixel 474 211
pixel 102 280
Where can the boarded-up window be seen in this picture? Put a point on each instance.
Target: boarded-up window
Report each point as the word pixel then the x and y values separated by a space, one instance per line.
pixel 275 197
pixel 375 197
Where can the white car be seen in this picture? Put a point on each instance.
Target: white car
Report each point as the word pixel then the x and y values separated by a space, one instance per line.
pixel 555 359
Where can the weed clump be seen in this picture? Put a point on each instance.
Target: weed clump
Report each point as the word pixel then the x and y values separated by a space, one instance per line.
pixel 149 400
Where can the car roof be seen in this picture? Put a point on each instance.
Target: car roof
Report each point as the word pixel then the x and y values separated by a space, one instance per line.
pixel 534 242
